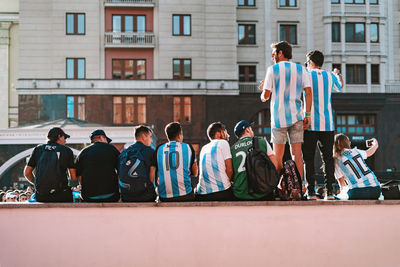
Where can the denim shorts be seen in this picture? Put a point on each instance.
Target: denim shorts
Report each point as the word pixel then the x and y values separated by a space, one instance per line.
pixel 295 133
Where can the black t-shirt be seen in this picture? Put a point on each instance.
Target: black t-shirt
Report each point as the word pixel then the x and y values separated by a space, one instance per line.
pixel 66 158
pixel 98 165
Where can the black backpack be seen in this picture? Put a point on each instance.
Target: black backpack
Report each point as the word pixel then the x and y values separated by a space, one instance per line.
pixel 133 175
pixel 262 177
pixel 391 189
pixel 48 175
pixel 290 184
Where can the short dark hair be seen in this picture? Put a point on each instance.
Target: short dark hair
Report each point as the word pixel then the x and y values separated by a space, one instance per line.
pixel 172 130
pixel 285 47
pixel 214 128
pixel 317 57
pixel 142 129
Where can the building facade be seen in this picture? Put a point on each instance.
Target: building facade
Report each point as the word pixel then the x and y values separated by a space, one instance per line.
pixel 127 62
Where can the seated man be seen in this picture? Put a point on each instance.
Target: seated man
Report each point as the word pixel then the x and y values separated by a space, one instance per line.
pixel 239 151
pixel 174 163
pixel 96 167
pixel 144 138
pixel 215 166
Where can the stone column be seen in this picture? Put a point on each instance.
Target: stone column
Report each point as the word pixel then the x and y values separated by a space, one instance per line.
pixel 4 72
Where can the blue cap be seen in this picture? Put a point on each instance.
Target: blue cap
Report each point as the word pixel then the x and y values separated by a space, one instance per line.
pixel 241 126
pixel 99 132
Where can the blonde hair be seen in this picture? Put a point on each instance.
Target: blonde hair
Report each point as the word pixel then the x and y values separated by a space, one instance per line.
pixel 340 143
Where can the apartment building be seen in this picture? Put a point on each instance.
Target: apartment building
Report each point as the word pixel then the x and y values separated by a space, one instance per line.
pixel 126 62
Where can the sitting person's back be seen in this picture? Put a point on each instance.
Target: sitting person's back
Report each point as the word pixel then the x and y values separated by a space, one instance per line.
pixel 352 171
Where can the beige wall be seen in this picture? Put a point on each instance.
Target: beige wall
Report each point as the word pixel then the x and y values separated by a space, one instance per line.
pixel 322 235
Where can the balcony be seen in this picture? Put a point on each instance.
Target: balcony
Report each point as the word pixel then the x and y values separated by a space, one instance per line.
pixel 249 87
pixel 126 87
pixel 129 40
pixel 129 3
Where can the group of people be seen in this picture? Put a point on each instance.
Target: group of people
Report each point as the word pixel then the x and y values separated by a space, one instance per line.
pixel 15 195
pixel 167 173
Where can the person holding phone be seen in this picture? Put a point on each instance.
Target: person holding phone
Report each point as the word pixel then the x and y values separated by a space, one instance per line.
pixel 352 171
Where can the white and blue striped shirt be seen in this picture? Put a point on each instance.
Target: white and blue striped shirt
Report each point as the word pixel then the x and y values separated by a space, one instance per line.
pixel 323 84
pixel 286 81
pixel 352 167
pixel 213 176
pixel 174 161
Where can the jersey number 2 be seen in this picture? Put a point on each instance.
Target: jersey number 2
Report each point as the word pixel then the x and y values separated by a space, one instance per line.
pixel 243 155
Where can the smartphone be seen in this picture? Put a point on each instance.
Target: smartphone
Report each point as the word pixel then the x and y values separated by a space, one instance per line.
pixel 369 142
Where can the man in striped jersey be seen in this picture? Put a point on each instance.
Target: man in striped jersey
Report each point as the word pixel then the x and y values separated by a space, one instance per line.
pixel 215 166
pixel 321 130
pixel 284 83
pixel 174 163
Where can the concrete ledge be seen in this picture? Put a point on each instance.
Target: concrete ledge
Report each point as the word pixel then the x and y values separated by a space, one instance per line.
pixel 201 204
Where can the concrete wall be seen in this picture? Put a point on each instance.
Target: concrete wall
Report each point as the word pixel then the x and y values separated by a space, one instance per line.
pixel 360 234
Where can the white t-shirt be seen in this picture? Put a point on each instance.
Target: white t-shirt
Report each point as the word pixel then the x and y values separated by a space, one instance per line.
pixel 213 176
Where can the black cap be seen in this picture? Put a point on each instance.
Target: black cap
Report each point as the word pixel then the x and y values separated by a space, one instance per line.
pixel 241 126
pixel 55 132
pixel 99 132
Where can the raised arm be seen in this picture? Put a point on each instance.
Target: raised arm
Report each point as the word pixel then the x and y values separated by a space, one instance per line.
pixel 370 151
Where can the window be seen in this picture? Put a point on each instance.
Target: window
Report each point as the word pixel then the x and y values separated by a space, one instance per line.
pixel 287 3
pixel 356 124
pixel 335 1
pixel 247 34
pixel 335 31
pixel 354 1
pixel 288 33
pixel 262 121
pixel 374 32
pixel 246 2
pixel 375 73
pixel 129 109
pixel 355 74
pixel 355 32
pixel 373 2
pixel 247 73
pixel 129 69
pixel 181 25
pixel 75 23
pixel 129 23
pixel 182 69
pixel 75 68
pixel 76 107
pixel 183 109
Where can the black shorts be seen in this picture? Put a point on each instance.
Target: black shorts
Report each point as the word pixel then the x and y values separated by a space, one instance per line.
pixel 59 196
pixel 186 198
pixel 226 195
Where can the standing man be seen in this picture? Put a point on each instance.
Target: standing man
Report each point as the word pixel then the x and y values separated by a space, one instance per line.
pixel 51 162
pixel 239 150
pixel 144 138
pixel 284 83
pixel 96 167
pixel 174 163
pixel 321 130
pixel 216 169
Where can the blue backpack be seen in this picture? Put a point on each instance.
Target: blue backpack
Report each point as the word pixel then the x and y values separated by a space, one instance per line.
pixel 133 173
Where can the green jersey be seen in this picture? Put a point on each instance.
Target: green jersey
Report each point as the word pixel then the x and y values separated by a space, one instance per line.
pixel 239 152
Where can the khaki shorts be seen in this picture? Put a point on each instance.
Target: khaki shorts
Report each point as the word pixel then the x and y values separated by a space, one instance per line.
pixel 294 132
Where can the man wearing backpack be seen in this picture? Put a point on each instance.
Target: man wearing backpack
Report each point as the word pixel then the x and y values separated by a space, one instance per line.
pixel 135 185
pixel 175 163
pixel 51 162
pixel 96 168
pixel 244 132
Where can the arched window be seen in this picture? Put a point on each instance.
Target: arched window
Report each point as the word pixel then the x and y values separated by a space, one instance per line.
pixel 262 125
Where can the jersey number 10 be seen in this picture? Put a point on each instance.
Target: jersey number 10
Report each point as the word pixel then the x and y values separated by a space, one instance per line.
pixel 170 163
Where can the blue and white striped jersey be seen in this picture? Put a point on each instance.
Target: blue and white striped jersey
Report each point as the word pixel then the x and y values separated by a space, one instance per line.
pixel 174 161
pixel 286 81
pixel 323 84
pixel 213 176
pixel 352 167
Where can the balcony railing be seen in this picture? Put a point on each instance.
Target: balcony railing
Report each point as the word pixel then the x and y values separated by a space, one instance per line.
pixel 392 87
pixel 129 39
pixel 129 3
pixel 249 87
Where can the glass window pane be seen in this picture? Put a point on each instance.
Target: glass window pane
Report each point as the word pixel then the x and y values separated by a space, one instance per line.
pixel 188 108
pixel 335 32
pixel 242 73
pixel 128 23
pixel 349 1
pixel 374 2
pixel 70 106
pixel 352 129
pixel 350 74
pixel 128 64
pixel 361 77
pixel 252 74
pixel 175 25
pixel 116 69
pixel 141 109
pixel 349 32
pixel 116 23
pixel 282 2
pixel 360 1
pixel 282 34
pixel 186 25
pixel 187 67
pixel 250 2
pixel 81 23
pixel 177 108
pixel 292 2
pixel 293 39
pixel 81 68
pixel 351 120
pixel 252 34
pixel 374 32
pixel 177 67
pixel 70 23
pixel 241 37
pixel 81 107
pixel 70 68
pixel 359 130
pixel 141 23
pixel 240 2
pixel 360 33
pixel 335 1
pixel 141 69
pixel 129 111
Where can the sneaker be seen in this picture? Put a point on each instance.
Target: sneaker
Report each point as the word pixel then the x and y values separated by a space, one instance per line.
pixel 329 196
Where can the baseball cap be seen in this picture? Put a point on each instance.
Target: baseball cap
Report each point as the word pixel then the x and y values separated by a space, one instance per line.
pixel 241 126
pixel 56 131
pixel 99 132
pixel 11 195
